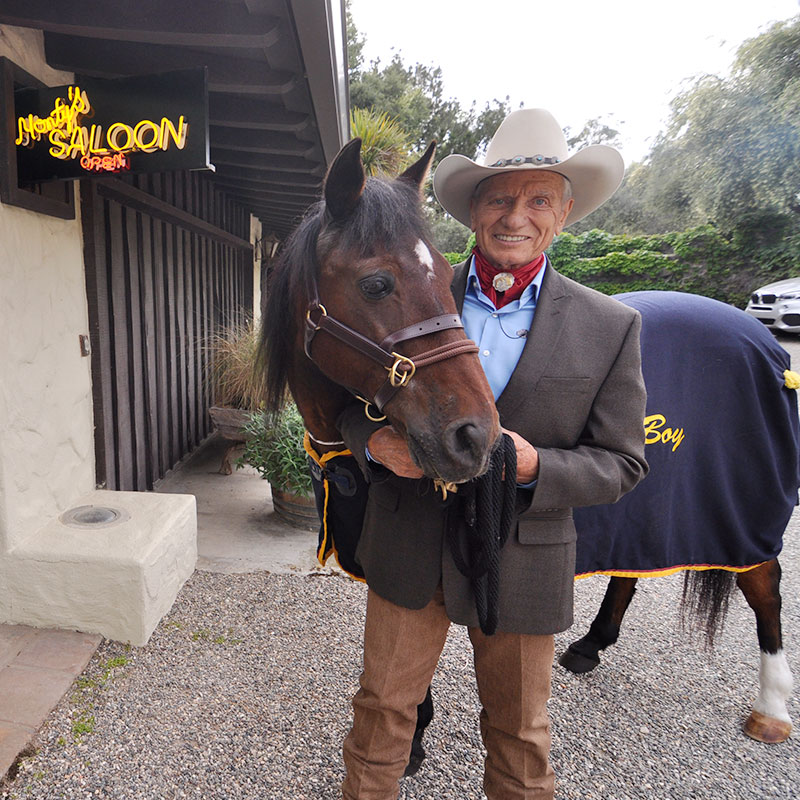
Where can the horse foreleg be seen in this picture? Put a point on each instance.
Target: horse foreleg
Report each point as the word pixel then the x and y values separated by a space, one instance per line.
pixel 769 721
pixel 584 655
pixel 424 717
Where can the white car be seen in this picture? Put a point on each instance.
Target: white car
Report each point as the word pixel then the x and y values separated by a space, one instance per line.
pixel 777 305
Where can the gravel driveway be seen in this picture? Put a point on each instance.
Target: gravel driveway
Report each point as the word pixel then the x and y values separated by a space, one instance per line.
pixel 243 692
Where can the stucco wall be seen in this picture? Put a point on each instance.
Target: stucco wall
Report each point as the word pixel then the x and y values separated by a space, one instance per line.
pixel 46 436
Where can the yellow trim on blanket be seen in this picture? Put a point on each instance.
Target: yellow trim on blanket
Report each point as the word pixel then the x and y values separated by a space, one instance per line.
pixel 324 551
pixel 659 573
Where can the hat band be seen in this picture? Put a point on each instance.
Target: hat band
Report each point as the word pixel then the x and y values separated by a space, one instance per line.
pixel 518 161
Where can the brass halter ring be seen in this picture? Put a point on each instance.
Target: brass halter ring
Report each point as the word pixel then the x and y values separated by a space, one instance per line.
pixel 324 314
pixel 398 378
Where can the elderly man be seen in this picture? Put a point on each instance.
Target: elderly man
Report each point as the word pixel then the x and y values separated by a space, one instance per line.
pixel 564 365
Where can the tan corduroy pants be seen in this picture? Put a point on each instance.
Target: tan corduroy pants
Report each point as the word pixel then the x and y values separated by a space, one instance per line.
pixel 401 650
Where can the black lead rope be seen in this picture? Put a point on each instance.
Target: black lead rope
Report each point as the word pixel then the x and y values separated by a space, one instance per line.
pixel 485 509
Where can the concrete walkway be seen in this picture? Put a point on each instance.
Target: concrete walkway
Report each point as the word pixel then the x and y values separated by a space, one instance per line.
pixel 237 531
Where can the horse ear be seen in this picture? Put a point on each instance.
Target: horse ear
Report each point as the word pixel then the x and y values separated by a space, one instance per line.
pixel 419 172
pixel 344 182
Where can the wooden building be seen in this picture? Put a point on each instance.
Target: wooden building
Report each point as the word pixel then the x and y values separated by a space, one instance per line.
pixel 111 286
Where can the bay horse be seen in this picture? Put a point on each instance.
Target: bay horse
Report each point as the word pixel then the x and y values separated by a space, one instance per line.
pixel 360 306
pixel 722 444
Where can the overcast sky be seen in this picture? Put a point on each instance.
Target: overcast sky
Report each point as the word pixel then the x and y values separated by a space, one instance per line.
pixel 622 60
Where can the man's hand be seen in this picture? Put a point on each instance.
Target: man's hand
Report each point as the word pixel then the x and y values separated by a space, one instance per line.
pixel 388 447
pixel 527 458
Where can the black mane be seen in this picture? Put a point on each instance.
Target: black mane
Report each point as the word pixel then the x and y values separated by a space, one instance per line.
pixel 387 215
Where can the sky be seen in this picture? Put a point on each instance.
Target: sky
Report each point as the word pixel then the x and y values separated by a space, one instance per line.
pixel 621 60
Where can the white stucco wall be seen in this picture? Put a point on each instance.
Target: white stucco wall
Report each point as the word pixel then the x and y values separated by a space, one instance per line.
pixel 118 582
pixel 46 436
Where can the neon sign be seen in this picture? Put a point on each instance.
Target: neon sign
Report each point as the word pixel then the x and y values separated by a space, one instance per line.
pixel 141 123
pixel 97 149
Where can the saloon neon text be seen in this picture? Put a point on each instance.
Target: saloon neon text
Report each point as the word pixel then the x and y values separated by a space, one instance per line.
pixel 98 148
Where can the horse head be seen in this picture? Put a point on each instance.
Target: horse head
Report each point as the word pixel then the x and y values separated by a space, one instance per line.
pixel 375 318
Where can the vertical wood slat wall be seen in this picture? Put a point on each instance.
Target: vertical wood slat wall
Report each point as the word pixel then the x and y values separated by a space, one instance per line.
pixel 157 291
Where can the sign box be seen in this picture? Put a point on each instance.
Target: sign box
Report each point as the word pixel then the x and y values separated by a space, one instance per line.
pixel 146 123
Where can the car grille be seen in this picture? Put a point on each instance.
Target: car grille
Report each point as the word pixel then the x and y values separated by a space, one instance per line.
pixel 765 298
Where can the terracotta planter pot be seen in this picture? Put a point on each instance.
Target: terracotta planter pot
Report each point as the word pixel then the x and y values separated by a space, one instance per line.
pixel 230 421
pixel 297 510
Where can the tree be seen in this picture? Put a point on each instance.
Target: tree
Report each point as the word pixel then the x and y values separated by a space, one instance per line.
pixel 731 152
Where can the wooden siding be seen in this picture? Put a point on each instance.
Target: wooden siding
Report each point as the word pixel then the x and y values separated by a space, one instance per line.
pixel 168 263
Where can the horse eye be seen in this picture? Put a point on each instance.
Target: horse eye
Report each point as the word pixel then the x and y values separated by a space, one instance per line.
pixel 375 287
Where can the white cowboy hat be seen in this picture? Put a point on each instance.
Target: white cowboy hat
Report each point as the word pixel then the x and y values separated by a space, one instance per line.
pixel 531 139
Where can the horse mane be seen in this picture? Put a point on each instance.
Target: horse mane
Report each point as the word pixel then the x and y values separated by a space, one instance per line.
pixel 388 213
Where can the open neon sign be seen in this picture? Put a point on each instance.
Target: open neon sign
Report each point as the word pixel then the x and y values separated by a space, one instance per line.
pixel 99 150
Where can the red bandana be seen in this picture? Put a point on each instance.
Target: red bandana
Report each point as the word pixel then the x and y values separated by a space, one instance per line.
pixel 522 277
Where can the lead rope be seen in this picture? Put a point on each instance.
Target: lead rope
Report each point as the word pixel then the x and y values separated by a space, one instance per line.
pixel 486 507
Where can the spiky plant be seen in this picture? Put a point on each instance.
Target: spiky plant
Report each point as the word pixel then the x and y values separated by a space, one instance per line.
pixel 384 144
pixel 236 376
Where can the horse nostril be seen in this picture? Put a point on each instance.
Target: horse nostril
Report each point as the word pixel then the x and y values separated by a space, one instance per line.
pixel 466 439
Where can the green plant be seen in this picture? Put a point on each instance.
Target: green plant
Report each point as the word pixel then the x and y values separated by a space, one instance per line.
pixel 384 143
pixel 274 448
pixel 235 373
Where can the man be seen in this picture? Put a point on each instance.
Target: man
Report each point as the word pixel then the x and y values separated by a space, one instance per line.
pixel 563 362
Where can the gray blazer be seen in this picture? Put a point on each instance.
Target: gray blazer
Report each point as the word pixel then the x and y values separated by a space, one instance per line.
pixel 578 396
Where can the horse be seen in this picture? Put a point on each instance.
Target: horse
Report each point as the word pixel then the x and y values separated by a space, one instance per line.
pixel 722 444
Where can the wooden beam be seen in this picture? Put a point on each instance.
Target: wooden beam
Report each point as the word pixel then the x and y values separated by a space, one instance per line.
pixel 240 111
pixel 238 158
pixel 105 58
pixel 256 195
pixel 268 189
pixel 261 142
pixel 202 23
pixel 128 195
pixel 255 175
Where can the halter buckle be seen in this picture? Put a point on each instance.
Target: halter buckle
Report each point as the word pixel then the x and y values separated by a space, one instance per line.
pixel 398 377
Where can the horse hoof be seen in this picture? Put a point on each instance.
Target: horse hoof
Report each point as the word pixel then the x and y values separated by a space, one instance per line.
pixel 414 762
pixel 577 662
pixel 767 729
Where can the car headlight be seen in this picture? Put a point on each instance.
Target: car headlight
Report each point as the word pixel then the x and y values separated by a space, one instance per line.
pixel 789 296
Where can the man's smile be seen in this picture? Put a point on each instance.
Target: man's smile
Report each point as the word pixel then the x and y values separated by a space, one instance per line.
pixel 504 237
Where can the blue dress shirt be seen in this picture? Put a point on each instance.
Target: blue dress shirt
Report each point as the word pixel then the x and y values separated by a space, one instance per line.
pixel 500 333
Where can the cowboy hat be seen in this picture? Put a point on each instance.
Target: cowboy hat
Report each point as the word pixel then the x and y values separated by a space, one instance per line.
pixel 531 139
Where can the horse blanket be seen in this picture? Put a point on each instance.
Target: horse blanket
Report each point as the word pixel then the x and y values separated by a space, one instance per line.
pixel 722 442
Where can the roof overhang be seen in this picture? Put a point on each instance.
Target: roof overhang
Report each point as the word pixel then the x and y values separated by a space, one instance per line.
pixel 277 79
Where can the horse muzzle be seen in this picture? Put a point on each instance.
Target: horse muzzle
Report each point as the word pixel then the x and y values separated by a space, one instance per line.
pixel 458 453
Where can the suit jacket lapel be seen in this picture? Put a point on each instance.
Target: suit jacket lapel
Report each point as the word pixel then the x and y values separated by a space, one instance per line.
pixel 551 314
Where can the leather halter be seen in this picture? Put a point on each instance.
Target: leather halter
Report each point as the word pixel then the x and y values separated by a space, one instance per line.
pixel 401 368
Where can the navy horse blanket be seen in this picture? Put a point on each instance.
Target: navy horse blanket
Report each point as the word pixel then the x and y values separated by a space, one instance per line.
pixel 722 442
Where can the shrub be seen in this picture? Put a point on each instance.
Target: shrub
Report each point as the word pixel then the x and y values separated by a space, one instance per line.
pixel 274 448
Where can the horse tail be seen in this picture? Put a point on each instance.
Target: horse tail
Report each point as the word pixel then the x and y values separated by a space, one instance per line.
pixel 706 595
